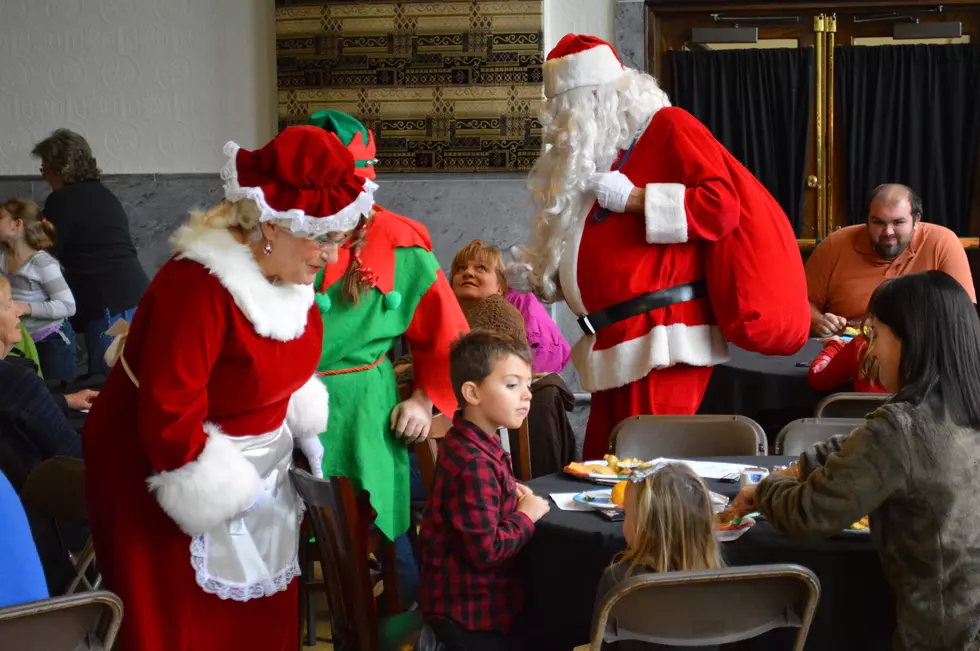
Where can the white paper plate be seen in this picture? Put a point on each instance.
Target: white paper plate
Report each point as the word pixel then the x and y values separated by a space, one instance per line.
pixel 731 535
pixel 601 499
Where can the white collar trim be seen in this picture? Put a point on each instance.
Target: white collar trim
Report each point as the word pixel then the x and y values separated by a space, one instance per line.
pixel 276 311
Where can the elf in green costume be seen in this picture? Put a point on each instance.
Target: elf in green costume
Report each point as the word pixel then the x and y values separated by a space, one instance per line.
pixel 386 284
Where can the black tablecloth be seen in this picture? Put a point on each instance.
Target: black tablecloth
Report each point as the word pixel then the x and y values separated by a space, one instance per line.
pixel 570 550
pixel 771 390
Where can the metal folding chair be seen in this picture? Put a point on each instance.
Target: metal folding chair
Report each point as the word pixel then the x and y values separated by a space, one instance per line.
pixel 709 607
pixel 800 434
pixel 84 621
pixel 850 405
pixel 649 437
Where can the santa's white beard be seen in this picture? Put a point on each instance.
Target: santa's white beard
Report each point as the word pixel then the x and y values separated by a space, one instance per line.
pixel 584 131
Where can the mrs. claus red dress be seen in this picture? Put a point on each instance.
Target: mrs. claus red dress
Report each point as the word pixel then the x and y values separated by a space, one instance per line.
pixel 194 458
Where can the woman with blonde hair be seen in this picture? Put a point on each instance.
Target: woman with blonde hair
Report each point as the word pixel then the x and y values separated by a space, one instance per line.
pixel 188 450
pixel 93 242
pixel 38 287
pixel 478 272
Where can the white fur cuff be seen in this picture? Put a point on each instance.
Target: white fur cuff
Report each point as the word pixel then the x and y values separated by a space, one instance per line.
pixel 666 217
pixel 213 488
pixel 309 409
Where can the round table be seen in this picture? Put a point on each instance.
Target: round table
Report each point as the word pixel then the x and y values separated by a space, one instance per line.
pixel 770 390
pixel 570 550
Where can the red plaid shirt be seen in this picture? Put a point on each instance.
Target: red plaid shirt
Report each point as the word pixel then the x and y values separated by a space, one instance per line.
pixel 471 534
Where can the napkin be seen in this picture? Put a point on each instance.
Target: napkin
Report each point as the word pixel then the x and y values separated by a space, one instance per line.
pixel 565 503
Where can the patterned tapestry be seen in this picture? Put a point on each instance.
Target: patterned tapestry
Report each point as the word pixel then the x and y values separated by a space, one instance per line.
pixel 452 86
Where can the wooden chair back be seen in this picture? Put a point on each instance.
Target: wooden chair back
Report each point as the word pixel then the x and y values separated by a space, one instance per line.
pixel 340 518
pixel 520 452
pixel 428 450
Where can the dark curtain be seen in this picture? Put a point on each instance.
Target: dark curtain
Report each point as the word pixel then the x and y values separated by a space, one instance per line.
pixel 909 114
pixel 757 104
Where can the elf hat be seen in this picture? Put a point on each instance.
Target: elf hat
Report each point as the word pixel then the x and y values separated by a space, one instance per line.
pixel 304 176
pixel 579 60
pixel 358 139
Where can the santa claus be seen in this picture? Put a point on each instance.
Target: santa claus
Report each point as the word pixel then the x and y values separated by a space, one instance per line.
pixel 663 244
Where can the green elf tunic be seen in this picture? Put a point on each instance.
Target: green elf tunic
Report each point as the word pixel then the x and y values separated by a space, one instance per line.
pixel 410 297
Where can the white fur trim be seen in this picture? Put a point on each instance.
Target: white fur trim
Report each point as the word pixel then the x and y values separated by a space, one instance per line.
pixel 666 216
pixel 308 409
pixel 276 311
pixel 568 266
pixel 632 360
pixel 592 67
pixel 343 220
pixel 213 488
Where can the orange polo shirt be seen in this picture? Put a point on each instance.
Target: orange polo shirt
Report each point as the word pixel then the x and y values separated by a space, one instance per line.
pixel 844 269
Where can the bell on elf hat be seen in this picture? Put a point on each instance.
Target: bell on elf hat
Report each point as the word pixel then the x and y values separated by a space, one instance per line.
pixel 304 177
pixel 580 60
pixel 358 139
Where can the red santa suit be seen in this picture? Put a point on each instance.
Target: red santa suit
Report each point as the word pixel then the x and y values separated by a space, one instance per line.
pixel 189 446
pixel 696 196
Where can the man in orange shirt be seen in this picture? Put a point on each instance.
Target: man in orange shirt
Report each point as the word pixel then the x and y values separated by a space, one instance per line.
pixel 846 268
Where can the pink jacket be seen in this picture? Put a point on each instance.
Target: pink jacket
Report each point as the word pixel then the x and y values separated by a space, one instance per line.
pixel 551 351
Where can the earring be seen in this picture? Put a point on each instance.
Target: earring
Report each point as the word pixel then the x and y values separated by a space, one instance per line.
pixel 268 247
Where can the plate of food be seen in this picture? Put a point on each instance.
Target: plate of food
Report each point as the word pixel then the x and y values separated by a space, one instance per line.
pixel 609 470
pixel 600 499
pixel 730 527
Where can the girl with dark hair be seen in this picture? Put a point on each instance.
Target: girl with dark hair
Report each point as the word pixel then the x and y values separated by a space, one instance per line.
pixel 912 465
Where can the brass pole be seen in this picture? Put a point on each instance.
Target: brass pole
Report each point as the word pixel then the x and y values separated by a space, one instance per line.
pixel 819 27
pixel 829 195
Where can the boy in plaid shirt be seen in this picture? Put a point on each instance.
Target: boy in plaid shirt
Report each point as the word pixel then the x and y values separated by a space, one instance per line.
pixel 478 517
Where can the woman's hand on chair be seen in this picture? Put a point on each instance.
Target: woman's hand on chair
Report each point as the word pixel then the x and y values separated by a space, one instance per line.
pixel 412 418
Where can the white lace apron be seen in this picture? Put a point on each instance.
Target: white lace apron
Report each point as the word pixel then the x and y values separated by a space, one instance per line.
pixel 255 554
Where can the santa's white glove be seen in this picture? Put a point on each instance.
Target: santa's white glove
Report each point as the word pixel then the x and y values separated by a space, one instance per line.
pixel 313 450
pixel 519 272
pixel 611 189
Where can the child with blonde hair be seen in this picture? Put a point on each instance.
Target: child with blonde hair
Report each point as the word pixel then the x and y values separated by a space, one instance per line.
pixel 669 527
pixel 38 286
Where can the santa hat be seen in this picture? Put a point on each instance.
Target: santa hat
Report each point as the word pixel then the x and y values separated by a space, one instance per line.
pixel 358 139
pixel 304 176
pixel 579 60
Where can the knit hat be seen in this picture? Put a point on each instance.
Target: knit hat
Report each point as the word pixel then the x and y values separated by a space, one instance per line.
pixel 358 139
pixel 579 60
pixel 304 176
pixel 496 314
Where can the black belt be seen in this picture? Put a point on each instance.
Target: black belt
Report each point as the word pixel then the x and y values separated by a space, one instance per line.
pixel 591 323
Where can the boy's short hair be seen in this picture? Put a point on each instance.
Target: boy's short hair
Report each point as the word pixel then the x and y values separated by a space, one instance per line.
pixel 472 356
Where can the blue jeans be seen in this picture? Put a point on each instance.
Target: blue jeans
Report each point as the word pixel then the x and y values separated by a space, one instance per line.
pixel 416 488
pixel 56 355
pixel 408 570
pixel 97 341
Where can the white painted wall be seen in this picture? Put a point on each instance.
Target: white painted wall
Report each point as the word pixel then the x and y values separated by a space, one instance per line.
pixel 595 17
pixel 159 86
pixel 155 85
